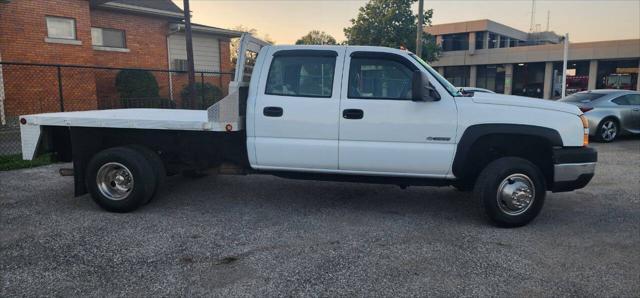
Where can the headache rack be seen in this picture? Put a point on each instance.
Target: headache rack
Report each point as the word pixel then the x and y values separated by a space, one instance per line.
pixel 229 112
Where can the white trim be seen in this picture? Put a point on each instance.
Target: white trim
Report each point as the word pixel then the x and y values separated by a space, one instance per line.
pixel 3 119
pixel 142 9
pixel 111 49
pixel 63 41
pixel 204 29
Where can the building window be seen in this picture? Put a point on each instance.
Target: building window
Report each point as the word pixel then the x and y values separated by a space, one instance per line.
pixel 493 40
pixel 457 75
pixel 301 76
pixel 528 79
pixel 617 74
pixel 112 38
pixel 480 36
pixel 577 78
pixel 61 28
pixel 455 42
pixel 490 77
pixel 504 41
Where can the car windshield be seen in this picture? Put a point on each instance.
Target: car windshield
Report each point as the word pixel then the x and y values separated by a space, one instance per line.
pixel 450 88
pixel 582 97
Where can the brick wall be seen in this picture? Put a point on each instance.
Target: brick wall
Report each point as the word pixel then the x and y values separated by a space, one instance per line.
pixel 22 39
pixel 30 89
pixel 24 29
pixel 147 44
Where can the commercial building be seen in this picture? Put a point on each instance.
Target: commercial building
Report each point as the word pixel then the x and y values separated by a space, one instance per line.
pixel 490 55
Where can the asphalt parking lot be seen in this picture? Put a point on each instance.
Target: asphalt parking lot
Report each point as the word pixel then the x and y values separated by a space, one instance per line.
pixel 266 236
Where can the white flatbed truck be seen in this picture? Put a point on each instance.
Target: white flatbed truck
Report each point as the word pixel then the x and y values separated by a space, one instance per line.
pixel 340 113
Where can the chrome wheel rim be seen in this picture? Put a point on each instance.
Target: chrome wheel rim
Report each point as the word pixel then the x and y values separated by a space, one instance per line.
pixel 609 130
pixel 516 194
pixel 114 181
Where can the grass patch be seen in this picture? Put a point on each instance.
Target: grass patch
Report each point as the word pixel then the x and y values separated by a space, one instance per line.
pixel 14 161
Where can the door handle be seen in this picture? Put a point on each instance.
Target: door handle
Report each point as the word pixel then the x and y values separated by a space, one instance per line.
pixel 352 114
pixel 272 111
pixel 636 109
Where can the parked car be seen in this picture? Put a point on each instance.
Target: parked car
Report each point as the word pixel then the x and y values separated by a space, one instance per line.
pixel 474 89
pixel 339 113
pixel 611 112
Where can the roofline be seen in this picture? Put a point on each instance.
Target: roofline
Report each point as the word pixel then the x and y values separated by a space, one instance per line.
pixel 475 26
pixel 140 9
pixel 207 29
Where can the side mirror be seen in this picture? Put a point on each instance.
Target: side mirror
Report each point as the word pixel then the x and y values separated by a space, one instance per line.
pixel 422 89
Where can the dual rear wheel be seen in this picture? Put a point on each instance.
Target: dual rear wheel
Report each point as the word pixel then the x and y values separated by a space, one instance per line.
pixel 122 179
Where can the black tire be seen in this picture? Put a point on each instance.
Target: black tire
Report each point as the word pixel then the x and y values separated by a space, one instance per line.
pixel 140 169
pixel 604 125
pixel 520 171
pixel 156 163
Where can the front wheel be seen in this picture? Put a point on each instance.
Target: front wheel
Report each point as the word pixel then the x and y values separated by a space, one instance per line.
pixel 512 191
pixel 607 130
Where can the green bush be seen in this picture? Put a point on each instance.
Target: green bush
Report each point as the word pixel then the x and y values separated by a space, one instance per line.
pixel 134 83
pixel 212 94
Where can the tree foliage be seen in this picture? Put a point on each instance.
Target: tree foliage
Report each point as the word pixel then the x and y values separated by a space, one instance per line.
pixel 391 23
pixel 316 37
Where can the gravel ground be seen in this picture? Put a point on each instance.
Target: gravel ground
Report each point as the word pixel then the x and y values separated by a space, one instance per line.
pixel 266 236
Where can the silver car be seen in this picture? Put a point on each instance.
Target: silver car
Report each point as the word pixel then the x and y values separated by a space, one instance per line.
pixel 610 112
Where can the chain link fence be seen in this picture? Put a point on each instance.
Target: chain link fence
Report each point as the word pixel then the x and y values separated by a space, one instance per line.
pixel 27 88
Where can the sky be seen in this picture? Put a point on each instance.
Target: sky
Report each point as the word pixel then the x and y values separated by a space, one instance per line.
pixel 284 21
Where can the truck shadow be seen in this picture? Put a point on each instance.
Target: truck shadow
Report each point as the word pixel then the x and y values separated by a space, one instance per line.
pixel 274 195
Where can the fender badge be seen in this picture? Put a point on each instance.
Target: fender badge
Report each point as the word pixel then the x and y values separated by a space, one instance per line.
pixel 438 139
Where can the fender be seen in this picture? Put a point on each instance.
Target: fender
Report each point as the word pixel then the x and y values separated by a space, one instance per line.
pixel 475 132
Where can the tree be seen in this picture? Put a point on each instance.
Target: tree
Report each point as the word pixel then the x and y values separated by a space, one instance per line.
pixel 317 37
pixel 391 23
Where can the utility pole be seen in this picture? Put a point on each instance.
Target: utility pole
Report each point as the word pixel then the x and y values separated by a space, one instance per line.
pixel 532 25
pixel 190 67
pixel 548 18
pixel 420 24
pixel 564 65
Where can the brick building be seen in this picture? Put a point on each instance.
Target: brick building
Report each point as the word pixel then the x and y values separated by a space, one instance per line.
pixel 119 34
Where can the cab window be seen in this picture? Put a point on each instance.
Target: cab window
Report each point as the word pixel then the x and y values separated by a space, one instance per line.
pixel 374 78
pixel 303 76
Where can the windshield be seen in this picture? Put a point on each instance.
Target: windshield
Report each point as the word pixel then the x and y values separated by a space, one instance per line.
pixel 450 88
pixel 582 97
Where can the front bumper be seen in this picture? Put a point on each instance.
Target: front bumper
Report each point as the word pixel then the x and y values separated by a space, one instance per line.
pixel 573 168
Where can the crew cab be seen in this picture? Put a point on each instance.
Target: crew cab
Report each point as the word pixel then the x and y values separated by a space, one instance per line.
pixel 341 113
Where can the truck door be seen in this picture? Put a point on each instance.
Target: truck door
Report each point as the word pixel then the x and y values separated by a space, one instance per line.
pixel 297 110
pixel 382 131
